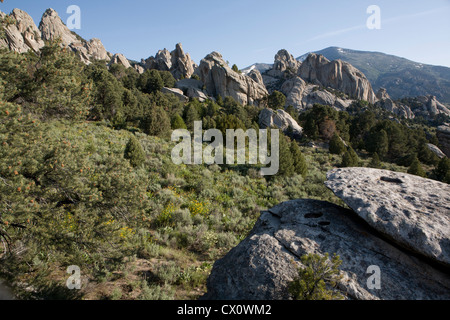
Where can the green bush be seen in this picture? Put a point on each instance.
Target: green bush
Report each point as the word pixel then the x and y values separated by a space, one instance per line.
pixel 134 152
pixel 317 278
pixel 336 145
pixel 350 158
pixel 416 168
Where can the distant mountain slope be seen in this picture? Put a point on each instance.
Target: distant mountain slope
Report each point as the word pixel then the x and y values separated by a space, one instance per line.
pixel 261 67
pixel 401 77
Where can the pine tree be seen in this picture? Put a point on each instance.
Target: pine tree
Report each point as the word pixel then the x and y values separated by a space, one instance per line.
pixel 300 165
pixel 416 168
pixel 336 145
pixel 62 90
pixel 134 152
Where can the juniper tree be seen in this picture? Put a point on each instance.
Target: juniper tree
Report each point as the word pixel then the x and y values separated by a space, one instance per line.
pixel 300 165
pixel 178 122
pixel 156 122
pixel 416 168
pixel 134 152
pixel 287 166
pixel 350 158
pixel 336 145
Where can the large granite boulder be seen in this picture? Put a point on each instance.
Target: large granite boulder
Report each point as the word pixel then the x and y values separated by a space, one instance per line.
pixel 431 107
pixel 294 89
pixel 302 95
pixel 90 50
pixel 338 75
pixel 193 89
pixel 161 61
pixel 182 64
pixel 284 62
pixel 220 79
pixel 256 76
pixel 52 27
pixel 413 212
pixel 22 35
pixel 177 92
pixel 435 149
pixel 400 109
pixel 119 58
pixel 177 62
pixel 261 266
pixel 280 119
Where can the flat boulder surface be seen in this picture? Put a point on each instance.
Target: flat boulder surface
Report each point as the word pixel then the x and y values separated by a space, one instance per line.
pixel 412 211
pixel 262 266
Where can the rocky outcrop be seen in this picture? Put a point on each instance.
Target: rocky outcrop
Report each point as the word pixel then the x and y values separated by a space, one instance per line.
pixel 177 92
pixel 284 62
pixel 302 95
pixel 435 149
pixel 261 266
pixel 22 34
pixel 431 107
pixel 96 51
pixel 443 135
pixel 119 58
pixel 192 89
pixel 315 81
pixel 256 76
pixel 425 106
pixel 52 28
pixel 162 61
pixel 220 79
pixel 90 50
pixel 182 64
pixel 280 119
pixel 396 108
pixel 413 212
pixel 177 62
pixel 338 75
pixel 294 90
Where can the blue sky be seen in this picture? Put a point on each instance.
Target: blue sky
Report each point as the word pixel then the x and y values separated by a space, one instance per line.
pixel 248 31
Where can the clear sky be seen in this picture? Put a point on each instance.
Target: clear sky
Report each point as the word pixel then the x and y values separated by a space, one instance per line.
pixel 249 31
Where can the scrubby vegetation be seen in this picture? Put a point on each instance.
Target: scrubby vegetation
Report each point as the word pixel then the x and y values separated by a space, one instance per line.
pixel 317 278
pixel 86 177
